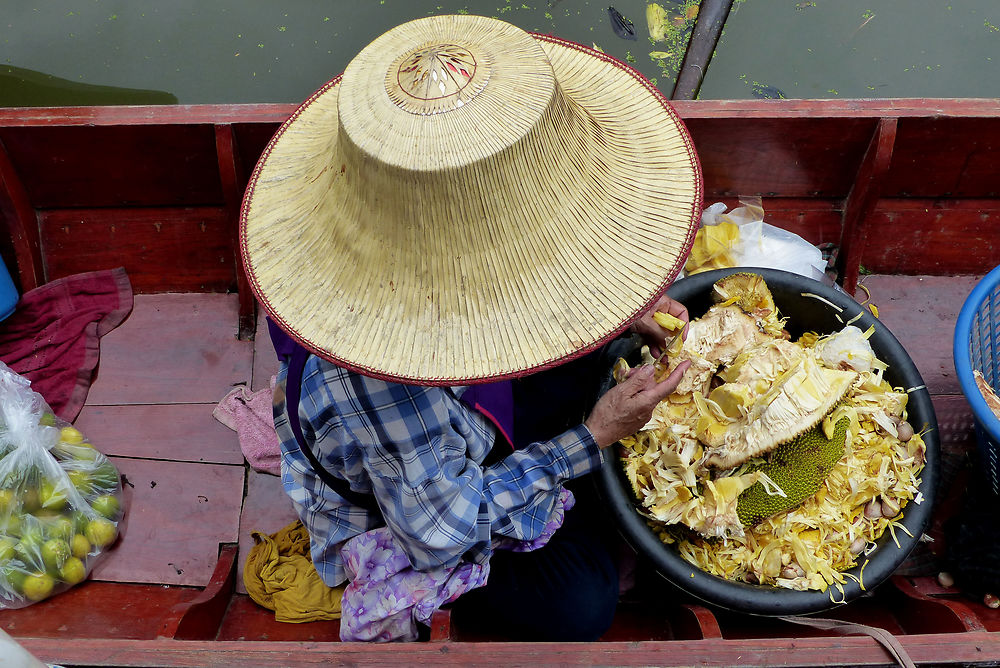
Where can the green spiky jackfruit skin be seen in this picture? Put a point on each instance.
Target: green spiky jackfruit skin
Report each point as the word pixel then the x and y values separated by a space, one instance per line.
pixel 799 467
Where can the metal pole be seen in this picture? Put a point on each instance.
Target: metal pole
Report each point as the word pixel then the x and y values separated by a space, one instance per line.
pixel 712 15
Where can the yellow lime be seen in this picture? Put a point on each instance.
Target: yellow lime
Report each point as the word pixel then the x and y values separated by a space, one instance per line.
pixel 71 435
pixel 101 532
pixel 55 552
pixel 73 571
pixel 13 525
pixel 37 586
pixel 106 505
pixel 52 496
pixel 79 546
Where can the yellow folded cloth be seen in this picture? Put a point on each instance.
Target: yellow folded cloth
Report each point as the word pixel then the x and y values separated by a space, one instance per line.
pixel 279 575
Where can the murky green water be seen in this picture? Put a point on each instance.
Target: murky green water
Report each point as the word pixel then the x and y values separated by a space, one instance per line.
pixel 858 49
pixel 69 52
pixel 65 52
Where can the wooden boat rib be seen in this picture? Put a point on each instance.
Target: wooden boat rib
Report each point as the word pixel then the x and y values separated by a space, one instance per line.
pixel 907 190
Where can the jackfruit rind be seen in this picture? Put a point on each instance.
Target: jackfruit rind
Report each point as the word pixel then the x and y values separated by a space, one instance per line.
pixel 797 402
pixel 798 467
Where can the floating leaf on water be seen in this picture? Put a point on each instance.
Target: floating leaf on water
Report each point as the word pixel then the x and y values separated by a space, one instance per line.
pixel 691 12
pixel 597 48
pixel 657 21
pixel 659 55
pixel 622 26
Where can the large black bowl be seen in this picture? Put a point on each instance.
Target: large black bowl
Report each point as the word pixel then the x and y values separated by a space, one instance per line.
pixel 805 313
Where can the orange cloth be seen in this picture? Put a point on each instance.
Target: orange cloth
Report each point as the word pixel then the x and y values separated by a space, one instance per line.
pixel 279 575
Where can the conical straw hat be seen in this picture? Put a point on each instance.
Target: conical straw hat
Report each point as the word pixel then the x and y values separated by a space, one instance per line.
pixel 468 202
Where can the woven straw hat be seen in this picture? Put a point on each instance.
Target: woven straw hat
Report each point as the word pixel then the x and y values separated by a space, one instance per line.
pixel 468 202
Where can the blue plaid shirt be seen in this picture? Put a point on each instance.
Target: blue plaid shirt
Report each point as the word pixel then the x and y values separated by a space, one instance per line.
pixel 419 451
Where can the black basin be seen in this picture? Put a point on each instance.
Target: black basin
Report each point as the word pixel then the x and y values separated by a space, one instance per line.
pixel 804 314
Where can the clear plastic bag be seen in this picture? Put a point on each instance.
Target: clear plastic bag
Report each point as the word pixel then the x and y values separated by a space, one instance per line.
pixel 61 499
pixel 741 238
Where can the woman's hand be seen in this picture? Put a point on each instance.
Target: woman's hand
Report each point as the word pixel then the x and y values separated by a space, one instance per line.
pixel 627 407
pixel 652 333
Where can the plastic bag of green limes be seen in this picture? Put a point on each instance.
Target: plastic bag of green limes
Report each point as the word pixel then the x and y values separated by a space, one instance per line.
pixel 60 499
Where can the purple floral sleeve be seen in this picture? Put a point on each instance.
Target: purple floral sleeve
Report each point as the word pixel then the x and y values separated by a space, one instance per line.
pixel 386 598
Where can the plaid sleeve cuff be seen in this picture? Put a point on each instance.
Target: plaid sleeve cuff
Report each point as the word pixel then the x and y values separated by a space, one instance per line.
pixel 578 452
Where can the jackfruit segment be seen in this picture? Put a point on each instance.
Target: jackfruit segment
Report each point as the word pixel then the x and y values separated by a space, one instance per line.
pixel 799 399
pixel 669 322
pixel 799 467
pixel 751 294
pixel 722 334
pixel 734 399
pixel 713 248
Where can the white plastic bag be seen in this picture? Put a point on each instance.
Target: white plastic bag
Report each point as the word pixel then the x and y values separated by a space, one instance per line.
pixel 60 499
pixel 743 239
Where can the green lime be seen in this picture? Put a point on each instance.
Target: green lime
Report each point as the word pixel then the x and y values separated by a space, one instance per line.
pixel 15 576
pixel 51 495
pixel 80 520
pixel 101 532
pixel 30 500
pixel 79 546
pixel 38 586
pixel 106 505
pixel 55 552
pixel 47 420
pixel 59 527
pixel 80 480
pixel 6 548
pixel 8 499
pixel 73 571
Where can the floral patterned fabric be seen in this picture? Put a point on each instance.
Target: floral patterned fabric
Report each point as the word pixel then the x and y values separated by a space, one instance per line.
pixel 386 599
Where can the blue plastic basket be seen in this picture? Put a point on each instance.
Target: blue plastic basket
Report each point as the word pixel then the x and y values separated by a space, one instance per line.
pixel 977 346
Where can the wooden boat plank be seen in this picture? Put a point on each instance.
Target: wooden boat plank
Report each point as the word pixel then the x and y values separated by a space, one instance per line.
pixel 247 621
pixel 177 432
pixel 267 509
pixel 176 348
pixel 933 236
pixel 946 157
pixel 177 516
pixel 958 649
pixel 97 610
pixel 921 312
pixel 126 165
pixel 177 249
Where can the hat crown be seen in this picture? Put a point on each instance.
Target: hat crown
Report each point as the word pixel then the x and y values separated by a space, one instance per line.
pixel 436 78
pixel 445 92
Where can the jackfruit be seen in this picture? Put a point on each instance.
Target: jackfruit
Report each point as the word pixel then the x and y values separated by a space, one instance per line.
pixel 797 401
pixel 751 294
pixel 798 467
pixel 714 248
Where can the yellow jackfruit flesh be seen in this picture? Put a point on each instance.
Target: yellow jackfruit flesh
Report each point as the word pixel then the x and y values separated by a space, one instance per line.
pixel 798 467
pixel 713 248
pixel 750 293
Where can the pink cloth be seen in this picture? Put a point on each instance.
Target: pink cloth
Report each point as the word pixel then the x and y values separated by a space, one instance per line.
pixel 250 415
pixel 53 336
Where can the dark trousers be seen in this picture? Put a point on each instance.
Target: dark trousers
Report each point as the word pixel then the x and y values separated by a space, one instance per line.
pixel 567 590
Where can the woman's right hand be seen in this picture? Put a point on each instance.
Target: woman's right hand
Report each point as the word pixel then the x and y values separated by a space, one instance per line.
pixel 627 407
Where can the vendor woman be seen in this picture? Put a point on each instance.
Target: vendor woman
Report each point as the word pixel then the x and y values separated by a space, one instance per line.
pixel 444 239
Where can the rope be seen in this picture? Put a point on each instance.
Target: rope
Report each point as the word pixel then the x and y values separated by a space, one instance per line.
pixel 886 639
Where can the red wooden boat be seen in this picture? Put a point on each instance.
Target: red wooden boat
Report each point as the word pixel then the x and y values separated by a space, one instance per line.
pixel 907 189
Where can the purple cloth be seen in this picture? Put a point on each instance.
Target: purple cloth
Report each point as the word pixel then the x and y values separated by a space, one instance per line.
pixel 386 598
pixel 495 401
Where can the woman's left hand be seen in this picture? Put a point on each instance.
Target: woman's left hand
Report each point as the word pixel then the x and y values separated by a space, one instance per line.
pixel 652 333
